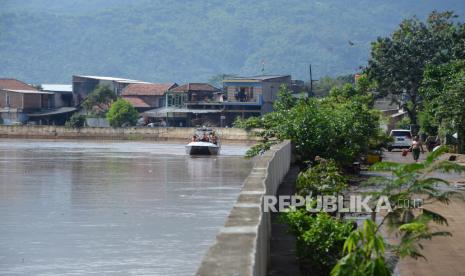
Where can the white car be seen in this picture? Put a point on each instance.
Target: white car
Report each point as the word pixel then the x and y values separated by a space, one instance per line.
pixel 402 139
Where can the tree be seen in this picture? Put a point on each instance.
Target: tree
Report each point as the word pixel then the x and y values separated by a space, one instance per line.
pixel 76 121
pixel 325 84
pixel 397 63
pixel 443 89
pixel 99 100
pixel 337 127
pixel 122 113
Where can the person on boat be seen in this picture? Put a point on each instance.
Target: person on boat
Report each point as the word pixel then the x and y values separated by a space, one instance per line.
pixel 213 138
pixel 194 138
pixel 416 147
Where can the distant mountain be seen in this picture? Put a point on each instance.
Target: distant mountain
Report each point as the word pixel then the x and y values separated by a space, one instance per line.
pixel 45 41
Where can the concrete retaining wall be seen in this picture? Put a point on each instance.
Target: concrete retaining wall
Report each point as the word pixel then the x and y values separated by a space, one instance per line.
pixel 157 134
pixel 242 246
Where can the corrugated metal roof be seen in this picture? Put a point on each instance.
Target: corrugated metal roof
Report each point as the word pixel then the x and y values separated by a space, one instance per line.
pixel 57 87
pixel 110 79
pixel 27 91
pixel 255 78
pixel 151 89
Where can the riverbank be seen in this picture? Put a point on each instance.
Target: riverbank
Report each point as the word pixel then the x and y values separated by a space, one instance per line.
pixel 133 133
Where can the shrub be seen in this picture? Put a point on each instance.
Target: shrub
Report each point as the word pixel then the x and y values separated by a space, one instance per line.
pixel 320 238
pixel 122 113
pixel 76 121
pixel 324 178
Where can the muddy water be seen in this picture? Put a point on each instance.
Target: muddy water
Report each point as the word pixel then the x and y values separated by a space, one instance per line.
pixel 111 208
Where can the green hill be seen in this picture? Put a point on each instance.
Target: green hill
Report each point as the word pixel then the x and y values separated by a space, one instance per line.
pixel 172 40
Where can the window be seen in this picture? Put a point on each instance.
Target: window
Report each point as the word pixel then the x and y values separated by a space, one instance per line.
pixel 7 100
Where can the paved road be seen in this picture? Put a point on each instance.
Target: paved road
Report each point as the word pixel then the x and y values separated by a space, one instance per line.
pixel 444 255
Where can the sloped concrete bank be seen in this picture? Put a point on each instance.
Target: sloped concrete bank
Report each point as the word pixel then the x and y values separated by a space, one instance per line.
pixel 142 133
pixel 242 245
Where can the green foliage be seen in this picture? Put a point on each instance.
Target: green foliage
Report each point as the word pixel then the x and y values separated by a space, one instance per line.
pixel 320 238
pixel 122 113
pixel 404 123
pixel 443 89
pixel 407 183
pixel 98 102
pixel 337 127
pixel 249 123
pixel 76 121
pixel 324 85
pixel 398 62
pixel 324 178
pixel 92 37
pixel 284 100
pixel 364 251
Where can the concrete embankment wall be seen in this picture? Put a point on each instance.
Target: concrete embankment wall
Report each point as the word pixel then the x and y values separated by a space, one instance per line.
pixel 157 134
pixel 242 245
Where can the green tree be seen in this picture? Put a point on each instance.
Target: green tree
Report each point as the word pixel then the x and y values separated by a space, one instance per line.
pixel 99 100
pixel 337 127
pixel 443 89
pixel 76 121
pixel 324 178
pixel 397 63
pixel 324 85
pixel 122 113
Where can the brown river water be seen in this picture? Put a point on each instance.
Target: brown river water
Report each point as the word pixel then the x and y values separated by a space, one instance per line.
pixel 112 208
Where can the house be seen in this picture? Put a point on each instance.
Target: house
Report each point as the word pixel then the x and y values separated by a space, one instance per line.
pixel 18 100
pixel 145 96
pixel 63 94
pixel 84 85
pixel 190 104
pixel 254 95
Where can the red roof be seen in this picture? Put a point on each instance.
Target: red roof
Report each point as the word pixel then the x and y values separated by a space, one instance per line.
pixel 136 102
pixel 13 84
pixel 151 89
pixel 205 87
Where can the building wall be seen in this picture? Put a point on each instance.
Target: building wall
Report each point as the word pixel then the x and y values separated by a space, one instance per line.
pixel 16 99
pixel 32 101
pixel 153 101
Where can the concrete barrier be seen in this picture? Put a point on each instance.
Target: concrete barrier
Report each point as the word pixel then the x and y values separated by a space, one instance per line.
pixel 134 133
pixel 242 245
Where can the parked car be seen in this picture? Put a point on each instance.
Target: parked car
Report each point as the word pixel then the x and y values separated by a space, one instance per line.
pixel 402 139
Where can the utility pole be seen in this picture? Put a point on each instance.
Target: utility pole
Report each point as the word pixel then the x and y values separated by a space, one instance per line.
pixel 310 93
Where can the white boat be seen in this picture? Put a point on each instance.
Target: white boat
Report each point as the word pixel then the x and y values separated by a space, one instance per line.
pixel 201 145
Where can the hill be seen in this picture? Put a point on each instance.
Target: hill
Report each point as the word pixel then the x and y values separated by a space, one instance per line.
pixel 177 40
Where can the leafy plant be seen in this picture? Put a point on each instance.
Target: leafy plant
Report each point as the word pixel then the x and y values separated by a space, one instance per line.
pixel 324 178
pixel 404 187
pixel 76 121
pixel 320 238
pixel 99 100
pixel 364 250
pixel 337 127
pixel 122 113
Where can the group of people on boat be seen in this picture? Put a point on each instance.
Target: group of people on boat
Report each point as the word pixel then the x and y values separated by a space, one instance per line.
pixel 205 137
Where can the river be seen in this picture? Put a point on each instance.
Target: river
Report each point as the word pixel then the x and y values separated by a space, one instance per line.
pixel 112 208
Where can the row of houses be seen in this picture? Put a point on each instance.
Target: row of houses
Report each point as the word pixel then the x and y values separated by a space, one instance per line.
pixel 188 104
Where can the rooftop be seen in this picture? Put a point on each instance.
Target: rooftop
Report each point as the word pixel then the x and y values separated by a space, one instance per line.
pixel 27 91
pixel 204 87
pixel 255 78
pixel 57 87
pixel 149 89
pixel 136 102
pixel 15 84
pixel 110 79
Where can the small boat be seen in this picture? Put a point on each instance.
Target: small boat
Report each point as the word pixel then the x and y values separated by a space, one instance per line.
pixel 204 142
